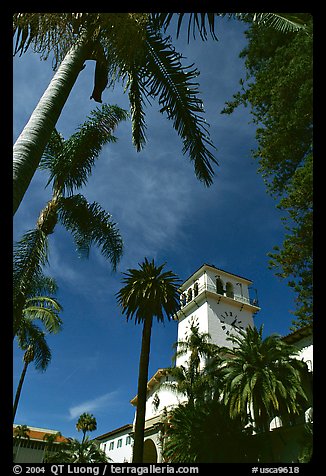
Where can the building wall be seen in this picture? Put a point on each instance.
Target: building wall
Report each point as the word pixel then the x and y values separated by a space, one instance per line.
pixel 118 447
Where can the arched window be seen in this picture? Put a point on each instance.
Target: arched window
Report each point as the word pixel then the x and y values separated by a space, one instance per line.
pixel 219 286
pixel 229 290
pixel 189 295
pixel 195 289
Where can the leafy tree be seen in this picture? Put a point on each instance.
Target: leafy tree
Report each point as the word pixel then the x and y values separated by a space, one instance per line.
pixel 149 66
pixel 278 87
pixel 86 422
pixel 262 379
pixel 148 292
pixel 69 163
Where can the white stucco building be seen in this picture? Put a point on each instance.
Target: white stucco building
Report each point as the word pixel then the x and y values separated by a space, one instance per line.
pixel 220 303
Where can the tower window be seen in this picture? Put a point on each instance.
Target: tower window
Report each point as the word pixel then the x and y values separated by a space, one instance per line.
pixel 189 295
pixel 229 290
pixel 219 286
pixel 196 289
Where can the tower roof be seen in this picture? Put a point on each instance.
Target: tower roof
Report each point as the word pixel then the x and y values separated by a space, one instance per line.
pixel 204 266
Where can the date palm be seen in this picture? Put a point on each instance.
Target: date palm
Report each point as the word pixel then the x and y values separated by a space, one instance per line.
pixel 148 292
pixel 148 66
pixel 262 378
pixel 69 163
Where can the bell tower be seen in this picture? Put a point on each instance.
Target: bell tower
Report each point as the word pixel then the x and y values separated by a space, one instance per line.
pixel 218 301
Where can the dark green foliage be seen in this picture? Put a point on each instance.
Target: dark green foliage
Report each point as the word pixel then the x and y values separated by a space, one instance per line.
pixel 278 87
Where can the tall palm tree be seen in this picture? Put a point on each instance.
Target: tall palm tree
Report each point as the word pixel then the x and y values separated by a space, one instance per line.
pixel 69 163
pixel 148 292
pixel 86 422
pixel 30 337
pixel 262 377
pixel 149 66
pixel 37 351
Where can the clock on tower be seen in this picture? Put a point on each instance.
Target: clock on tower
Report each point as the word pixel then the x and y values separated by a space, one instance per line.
pixel 219 301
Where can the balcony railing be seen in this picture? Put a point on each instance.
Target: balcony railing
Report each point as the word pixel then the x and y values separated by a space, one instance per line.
pixel 185 298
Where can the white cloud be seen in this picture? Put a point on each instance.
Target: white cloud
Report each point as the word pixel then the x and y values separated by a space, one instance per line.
pixel 95 404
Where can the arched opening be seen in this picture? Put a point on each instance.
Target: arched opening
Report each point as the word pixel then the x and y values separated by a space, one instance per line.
pixel 229 290
pixel 219 286
pixel 150 453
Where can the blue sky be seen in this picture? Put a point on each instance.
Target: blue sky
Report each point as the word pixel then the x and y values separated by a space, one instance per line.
pixel 162 212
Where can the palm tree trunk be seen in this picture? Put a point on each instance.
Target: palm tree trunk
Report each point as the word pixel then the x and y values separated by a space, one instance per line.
pixel 19 389
pixel 30 144
pixel 142 392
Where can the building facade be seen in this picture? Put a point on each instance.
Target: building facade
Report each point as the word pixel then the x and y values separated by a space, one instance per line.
pixel 219 303
pixel 32 447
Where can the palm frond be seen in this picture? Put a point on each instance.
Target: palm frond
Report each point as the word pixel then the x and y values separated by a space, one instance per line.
pixel 173 84
pixel 136 95
pixel 196 22
pixel 45 309
pixel 30 254
pixel 31 336
pixel 70 162
pixel 90 224
pixel 199 22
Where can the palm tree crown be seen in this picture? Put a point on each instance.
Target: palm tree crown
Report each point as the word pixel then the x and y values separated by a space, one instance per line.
pixel 86 422
pixel 149 293
pixel 262 376
pixel 148 65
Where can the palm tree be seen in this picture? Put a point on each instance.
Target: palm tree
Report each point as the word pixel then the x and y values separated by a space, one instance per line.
pixel 75 451
pixel 36 351
pixel 148 292
pixel 86 422
pixel 20 432
pixel 262 377
pixel 30 337
pixel 204 432
pixel 196 345
pixel 69 163
pixel 149 66
pixel 49 439
pixel 191 379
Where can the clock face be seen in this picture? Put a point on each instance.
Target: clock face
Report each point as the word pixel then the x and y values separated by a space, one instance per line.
pixel 231 319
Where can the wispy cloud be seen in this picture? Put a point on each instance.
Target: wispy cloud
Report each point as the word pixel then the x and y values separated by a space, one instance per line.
pixel 95 404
